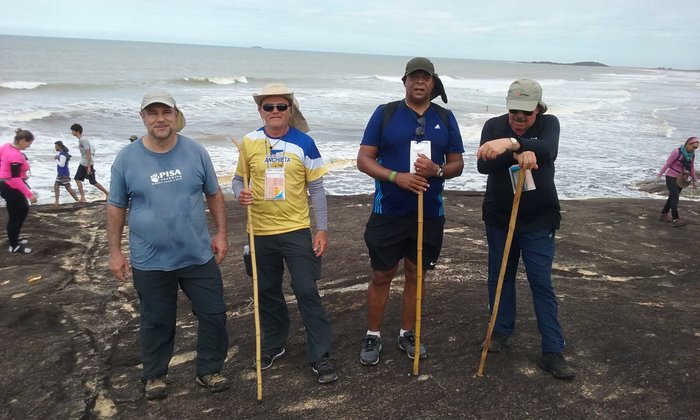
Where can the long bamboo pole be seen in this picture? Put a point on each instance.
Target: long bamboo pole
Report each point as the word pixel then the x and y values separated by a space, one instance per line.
pixel 502 273
pixel 419 283
pixel 251 241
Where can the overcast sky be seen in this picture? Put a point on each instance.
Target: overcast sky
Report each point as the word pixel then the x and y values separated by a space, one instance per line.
pixel 634 33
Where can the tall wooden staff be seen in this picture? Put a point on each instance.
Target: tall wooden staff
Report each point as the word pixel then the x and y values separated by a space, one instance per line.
pixel 251 240
pixel 419 283
pixel 501 275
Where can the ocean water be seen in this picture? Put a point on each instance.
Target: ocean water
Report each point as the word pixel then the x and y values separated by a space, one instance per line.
pixel 618 124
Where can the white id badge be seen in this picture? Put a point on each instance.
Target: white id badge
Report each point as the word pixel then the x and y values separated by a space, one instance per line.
pixel 274 184
pixel 529 184
pixel 422 147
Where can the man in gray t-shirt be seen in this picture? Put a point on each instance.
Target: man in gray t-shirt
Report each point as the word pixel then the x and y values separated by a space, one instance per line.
pixel 85 168
pixel 163 179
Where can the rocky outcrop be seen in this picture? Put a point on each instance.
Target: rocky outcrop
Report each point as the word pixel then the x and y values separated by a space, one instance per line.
pixel 626 282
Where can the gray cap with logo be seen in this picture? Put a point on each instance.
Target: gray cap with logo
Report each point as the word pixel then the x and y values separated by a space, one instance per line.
pixel 525 95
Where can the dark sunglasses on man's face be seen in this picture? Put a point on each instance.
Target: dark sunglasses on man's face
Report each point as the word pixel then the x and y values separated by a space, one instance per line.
pixel 271 107
pixel 526 113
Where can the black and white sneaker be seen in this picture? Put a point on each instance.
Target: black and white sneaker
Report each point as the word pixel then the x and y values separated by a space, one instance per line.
pixel 325 371
pixel 20 249
pixel 268 358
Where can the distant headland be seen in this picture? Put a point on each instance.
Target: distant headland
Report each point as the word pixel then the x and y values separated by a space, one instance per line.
pixel 578 63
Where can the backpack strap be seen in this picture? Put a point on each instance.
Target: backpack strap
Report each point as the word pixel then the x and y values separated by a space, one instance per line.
pixel 389 110
pixel 442 113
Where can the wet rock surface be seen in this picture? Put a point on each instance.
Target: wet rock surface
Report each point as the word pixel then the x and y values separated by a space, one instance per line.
pixel 629 305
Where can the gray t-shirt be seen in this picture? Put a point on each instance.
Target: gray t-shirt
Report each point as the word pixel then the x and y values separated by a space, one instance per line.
pixel 84 146
pixel 167 220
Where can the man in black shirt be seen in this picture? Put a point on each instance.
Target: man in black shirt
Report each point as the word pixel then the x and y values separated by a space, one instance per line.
pixel 526 137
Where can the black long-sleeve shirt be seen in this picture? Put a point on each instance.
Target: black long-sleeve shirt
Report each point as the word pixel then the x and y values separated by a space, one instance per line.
pixel 539 209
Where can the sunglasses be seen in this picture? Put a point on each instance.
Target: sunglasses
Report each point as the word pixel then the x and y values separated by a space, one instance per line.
pixel 271 107
pixel 420 130
pixel 525 113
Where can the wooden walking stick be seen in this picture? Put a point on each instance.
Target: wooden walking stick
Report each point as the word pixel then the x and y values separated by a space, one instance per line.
pixel 251 241
pixel 502 273
pixel 419 283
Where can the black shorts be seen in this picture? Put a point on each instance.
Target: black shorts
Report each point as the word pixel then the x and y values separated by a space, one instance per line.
pixel 82 173
pixel 391 238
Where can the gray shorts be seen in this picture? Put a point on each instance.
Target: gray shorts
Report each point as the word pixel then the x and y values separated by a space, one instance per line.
pixel 62 181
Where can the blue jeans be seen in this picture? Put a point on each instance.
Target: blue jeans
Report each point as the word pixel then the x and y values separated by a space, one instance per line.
pixel 296 250
pixel 157 292
pixel 537 251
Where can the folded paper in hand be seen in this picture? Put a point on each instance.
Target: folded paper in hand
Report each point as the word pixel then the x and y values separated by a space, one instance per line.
pixel 418 147
pixel 529 182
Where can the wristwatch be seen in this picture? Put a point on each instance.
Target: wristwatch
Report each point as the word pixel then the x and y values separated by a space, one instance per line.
pixel 441 171
pixel 514 142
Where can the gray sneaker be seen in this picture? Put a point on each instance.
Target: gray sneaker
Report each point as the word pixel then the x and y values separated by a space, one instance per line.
pixel 371 347
pixel 325 371
pixel 156 388
pixel 407 343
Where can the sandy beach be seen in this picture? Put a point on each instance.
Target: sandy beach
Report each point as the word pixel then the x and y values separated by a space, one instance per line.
pixel 629 306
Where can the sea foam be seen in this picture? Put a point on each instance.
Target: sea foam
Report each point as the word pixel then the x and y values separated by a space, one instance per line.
pixel 21 85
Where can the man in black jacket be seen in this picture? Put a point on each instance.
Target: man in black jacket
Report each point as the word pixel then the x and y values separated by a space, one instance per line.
pixel 526 137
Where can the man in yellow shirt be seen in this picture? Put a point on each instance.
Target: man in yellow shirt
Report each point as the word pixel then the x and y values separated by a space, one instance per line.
pixel 284 164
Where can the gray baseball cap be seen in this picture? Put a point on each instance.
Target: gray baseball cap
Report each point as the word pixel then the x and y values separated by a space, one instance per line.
pixel 165 98
pixel 525 95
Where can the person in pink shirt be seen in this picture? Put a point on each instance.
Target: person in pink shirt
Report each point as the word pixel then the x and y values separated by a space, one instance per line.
pixel 13 188
pixel 681 161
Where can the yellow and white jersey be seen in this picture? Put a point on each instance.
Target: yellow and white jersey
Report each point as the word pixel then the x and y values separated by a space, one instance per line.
pixel 295 159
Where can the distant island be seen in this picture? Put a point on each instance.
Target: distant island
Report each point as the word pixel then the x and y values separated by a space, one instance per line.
pixel 578 63
pixel 597 64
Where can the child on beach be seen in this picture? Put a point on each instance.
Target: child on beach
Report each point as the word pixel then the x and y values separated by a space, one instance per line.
pixel 63 172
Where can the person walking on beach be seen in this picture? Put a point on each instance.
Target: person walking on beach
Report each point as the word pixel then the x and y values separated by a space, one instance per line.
pixel 14 167
pixel 170 244
pixel 284 165
pixel 86 168
pixel 680 172
pixel 527 137
pixel 63 172
pixel 400 175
